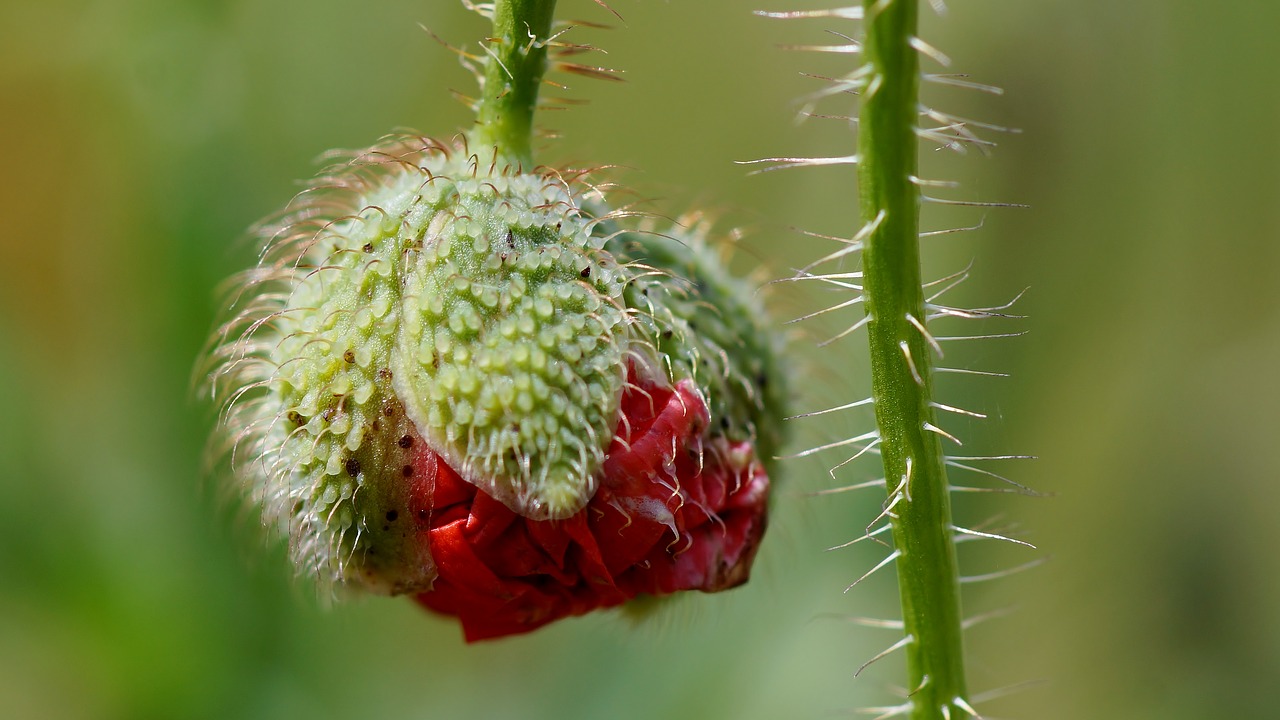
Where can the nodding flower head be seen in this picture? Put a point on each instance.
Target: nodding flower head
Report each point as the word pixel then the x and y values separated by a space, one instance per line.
pixel 472 383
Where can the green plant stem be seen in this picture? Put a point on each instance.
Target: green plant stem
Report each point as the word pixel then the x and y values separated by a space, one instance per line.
pixel 513 72
pixel 901 364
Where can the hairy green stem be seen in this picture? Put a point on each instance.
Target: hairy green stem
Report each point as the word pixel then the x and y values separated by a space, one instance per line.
pixel 901 365
pixel 513 71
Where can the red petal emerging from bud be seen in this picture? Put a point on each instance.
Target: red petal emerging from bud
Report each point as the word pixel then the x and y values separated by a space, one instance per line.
pixel 674 511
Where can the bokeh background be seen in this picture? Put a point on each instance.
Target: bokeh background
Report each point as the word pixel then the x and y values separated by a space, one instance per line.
pixel 142 137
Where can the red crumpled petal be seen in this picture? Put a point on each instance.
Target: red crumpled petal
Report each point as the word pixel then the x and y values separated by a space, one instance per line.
pixel 669 515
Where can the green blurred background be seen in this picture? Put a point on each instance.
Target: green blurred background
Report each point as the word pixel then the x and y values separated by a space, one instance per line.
pixel 141 137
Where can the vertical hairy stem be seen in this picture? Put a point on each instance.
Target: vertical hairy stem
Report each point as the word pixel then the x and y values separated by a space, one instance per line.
pixel 901 363
pixel 513 71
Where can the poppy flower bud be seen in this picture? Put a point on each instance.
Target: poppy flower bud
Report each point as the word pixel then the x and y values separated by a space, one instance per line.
pixel 452 380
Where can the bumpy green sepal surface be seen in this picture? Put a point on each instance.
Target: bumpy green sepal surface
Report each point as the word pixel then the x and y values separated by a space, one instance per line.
pixel 510 356
pixel 486 304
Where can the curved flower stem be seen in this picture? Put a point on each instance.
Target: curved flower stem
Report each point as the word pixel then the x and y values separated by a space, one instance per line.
pixel 513 71
pixel 901 365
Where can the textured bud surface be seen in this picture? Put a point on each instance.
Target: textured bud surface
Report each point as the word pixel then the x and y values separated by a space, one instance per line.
pixel 453 381
pixel 510 354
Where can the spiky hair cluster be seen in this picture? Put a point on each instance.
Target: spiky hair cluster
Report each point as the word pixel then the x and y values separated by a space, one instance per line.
pixel 419 294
